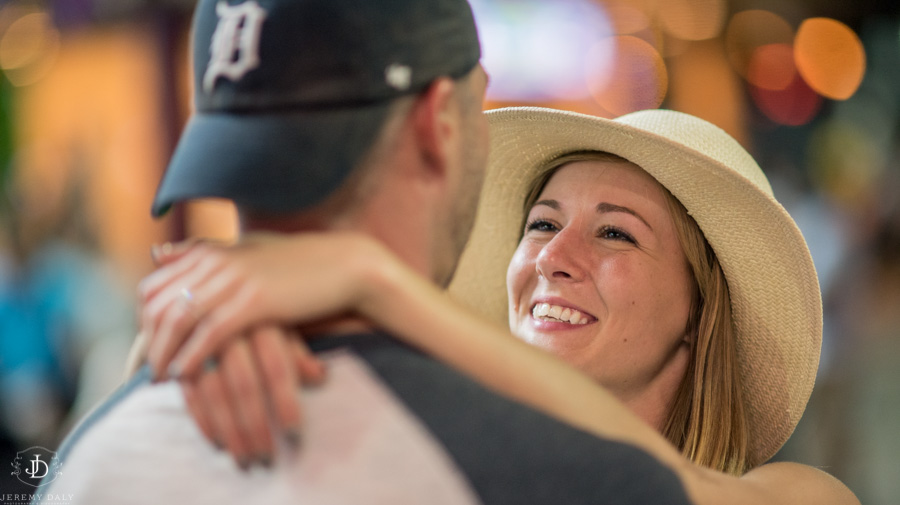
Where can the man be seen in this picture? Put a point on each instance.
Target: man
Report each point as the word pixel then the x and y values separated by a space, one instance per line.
pixel 360 115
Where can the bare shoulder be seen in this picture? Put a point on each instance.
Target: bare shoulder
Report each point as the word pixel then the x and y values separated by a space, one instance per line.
pixel 771 484
pixel 800 484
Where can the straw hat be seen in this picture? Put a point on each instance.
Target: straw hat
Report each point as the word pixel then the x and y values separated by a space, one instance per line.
pixel 775 299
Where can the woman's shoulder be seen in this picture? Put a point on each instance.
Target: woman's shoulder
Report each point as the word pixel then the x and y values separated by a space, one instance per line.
pixel 771 484
pixel 798 483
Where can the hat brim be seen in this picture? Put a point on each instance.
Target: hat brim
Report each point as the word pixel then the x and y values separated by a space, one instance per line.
pixel 775 296
pixel 274 162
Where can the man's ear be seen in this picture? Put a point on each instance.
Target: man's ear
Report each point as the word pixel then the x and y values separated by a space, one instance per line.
pixel 436 123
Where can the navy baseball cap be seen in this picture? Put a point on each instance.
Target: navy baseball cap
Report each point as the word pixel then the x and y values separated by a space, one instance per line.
pixel 289 94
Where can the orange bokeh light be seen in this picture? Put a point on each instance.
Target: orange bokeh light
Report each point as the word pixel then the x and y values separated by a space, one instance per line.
pixel 626 17
pixel 634 79
pixel 28 48
pixel 830 57
pixel 772 66
pixel 748 31
pixel 692 19
pixel 701 83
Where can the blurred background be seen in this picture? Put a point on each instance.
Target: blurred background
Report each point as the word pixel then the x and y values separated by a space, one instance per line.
pixel 93 95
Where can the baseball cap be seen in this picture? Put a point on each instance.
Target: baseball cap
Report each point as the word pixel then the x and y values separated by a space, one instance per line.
pixel 289 94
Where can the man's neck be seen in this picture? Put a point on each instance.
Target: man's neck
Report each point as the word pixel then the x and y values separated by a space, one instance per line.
pixel 300 223
pixel 307 222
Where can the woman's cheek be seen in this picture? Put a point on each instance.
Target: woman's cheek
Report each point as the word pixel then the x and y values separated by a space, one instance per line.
pixel 521 267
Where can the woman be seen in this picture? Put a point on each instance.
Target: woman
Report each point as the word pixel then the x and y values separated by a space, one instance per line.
pixel 649 254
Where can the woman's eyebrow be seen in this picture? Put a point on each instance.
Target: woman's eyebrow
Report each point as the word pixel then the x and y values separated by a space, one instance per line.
pixel 553 204
pixel 605 207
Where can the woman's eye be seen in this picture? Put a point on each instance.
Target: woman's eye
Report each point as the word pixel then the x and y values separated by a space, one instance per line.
pixel 540 225
pixel 613 233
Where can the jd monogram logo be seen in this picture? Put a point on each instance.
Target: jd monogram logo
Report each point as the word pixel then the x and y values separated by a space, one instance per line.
pixel 235 43
pixel 34 464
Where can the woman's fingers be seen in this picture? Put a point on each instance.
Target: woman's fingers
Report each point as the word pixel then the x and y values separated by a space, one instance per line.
pixel 168 252
pixel 229 405
pixel 176 310
pixel 197 408
pixel 230 400
pixel 248 399
pixel 223 416
pixel 234 402
pixel 310 368
pixel 223 321
pixel 272 349
pixel 166 291
pixel 157 280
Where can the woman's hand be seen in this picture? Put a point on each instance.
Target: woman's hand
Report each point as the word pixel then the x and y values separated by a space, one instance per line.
pixel 204 294
pixel 259 367
pixel 231 398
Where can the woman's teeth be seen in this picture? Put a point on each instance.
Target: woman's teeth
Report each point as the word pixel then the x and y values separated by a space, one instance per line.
pixel 548 312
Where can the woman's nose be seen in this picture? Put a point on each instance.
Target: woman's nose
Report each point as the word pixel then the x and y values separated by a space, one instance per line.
pixel 560 258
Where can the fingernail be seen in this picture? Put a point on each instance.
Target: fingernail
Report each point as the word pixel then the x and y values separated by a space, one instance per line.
pixel 292 435
pixel 244 463
pixel 155 252
pixel 265 460
pixel 321 373
pixel 219 445
pixel 174 371
pixel 155 376
pixel 142 285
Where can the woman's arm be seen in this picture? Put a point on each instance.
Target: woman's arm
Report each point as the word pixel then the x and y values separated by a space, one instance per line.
pixel 418 313
pixel 303 277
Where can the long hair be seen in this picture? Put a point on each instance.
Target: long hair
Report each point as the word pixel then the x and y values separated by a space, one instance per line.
pixel 706 420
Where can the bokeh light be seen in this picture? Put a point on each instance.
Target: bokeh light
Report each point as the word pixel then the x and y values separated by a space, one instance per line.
pixel 702 83
pixel 28 48
pixel 626 16
pixel 749 30
pixel 794 105
pixel 692 19
pixel 772 67
pixel 830 57
pixel 844 161
pixel 535 50
pixel 634 79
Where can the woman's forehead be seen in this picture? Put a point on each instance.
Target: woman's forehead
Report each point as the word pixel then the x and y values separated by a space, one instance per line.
pixel 612 175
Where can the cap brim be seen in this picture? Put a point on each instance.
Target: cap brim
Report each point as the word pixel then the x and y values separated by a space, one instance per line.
pixel 276 162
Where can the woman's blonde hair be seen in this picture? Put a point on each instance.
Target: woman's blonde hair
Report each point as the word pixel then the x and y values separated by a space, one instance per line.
pixel 706 420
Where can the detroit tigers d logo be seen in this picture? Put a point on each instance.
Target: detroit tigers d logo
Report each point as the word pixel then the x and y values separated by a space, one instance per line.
pixel 234 49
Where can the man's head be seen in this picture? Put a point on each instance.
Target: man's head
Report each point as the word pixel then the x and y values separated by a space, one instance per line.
pixel 303 107
pixel 417 187
pixel 290 94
